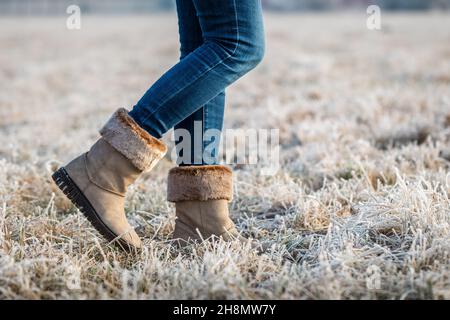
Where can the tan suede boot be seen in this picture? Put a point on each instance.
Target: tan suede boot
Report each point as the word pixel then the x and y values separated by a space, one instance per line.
pixel 201 195
pixel 97 181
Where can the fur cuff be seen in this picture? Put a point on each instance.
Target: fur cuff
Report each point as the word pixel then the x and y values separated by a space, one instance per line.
pixel 127 137
pixel 200 183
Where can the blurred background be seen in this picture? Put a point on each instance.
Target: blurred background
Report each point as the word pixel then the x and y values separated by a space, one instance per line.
pixel 45 7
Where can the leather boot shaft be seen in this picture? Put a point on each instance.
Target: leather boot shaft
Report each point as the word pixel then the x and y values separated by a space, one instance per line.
pixel 201 195
pixel 109 169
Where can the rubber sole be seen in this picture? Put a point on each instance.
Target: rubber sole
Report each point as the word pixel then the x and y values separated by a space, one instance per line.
pixel 76 196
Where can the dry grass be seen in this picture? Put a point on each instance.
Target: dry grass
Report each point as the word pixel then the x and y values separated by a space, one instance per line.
pixel 364 120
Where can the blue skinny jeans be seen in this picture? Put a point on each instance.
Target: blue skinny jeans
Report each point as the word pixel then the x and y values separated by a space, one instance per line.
pixel 221 40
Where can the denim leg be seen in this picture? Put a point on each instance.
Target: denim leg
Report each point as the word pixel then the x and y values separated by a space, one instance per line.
pixel 210 116
pixel 208 119
pixel 233 44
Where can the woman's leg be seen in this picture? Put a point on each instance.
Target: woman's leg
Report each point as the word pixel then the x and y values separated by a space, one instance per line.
pixel 233 44
pixel 210 116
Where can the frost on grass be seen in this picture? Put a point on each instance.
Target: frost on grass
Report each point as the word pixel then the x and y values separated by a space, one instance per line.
pixel 364 132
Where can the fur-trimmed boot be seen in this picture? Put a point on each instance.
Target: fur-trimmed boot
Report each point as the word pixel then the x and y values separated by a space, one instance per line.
pixel 201 195
pixel 96 182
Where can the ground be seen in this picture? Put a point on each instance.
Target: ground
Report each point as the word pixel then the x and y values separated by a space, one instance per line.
pixel 359 208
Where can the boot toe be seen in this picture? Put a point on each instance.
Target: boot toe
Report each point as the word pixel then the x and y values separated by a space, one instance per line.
pixel 134 239
pixel 129 238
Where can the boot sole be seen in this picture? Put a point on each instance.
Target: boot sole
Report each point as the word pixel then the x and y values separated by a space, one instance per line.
pixel 76 196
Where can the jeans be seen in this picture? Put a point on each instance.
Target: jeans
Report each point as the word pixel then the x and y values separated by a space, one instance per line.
pixel 221 40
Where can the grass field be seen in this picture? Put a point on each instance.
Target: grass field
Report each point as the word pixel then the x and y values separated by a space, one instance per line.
pixel 359 209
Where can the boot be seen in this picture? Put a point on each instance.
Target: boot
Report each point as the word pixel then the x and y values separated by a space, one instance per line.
pixel 201 195
pixel 96 182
